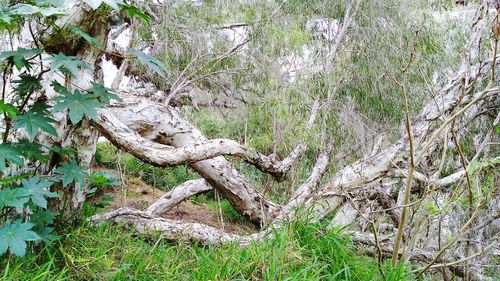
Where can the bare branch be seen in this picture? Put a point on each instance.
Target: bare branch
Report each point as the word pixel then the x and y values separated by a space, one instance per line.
pixel 177 195
pixel 164 155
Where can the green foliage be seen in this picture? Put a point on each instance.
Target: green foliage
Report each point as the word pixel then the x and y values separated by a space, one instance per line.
pixel 42 217
pixel 38 191
pixel 298 252
pixel 71 173
pixel 152 63
pixel 16 197
pixel 27 84
pixel 26 190
pixel 8 108
pixel 9 154
pixel 134 11
pixel 32 151
pixel 68 65
pixel 229 212
pixel 14 236
pixel 19 57
pixel 32 122
pixel 87 37
pixel 163 178
pixel 78 105
pixel 332 9
pixel 104 179
pixel 102 93
pixel 30 10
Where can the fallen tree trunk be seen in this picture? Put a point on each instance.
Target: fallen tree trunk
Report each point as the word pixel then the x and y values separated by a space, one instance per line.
pixel 177 195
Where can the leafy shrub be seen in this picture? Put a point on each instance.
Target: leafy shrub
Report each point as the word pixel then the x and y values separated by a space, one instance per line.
pixel 31 167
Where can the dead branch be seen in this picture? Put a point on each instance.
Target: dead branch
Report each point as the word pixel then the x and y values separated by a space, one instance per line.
pixel 177 195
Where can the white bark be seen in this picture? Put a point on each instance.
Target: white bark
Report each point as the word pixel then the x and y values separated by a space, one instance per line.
pixel 174 230
pixel 307 189
pixel 164 155
pixel 365 172
pixel 177 195
pixel 165 125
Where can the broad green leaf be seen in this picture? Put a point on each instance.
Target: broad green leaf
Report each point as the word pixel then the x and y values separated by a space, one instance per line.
pixel 40 108
pixel 39 190
pixel 46 234
pixel 8 108
pixel 33 122
pixel 60 88
pixel 42 217
pixel 7 20
pixel 78 105
pixel 13 197
pixel 68 65
pixel 27 84
pixel 14 236
pixel 32 150
pixel 152 63
pixel 54 3
pixel 134 11
pixel 87 37
pixel 18 57
pixel 64 151
pixel 28 10
pixel 9 154
pixel 72 172
pixel 103 94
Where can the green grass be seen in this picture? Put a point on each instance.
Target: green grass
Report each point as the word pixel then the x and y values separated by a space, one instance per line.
pixel 299 252
pixel 229 213
pixel 109 156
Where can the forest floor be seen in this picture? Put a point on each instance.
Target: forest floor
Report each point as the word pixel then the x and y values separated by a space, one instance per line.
pixel 299 251
pixel 139 195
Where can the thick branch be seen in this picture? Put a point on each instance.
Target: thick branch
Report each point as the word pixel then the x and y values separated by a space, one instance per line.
pixel 305 191
pixel 174 230
pixel 164 155
pixel 160 129
pixel 177 195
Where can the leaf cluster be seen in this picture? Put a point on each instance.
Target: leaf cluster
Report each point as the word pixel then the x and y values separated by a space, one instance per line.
pixel 30 120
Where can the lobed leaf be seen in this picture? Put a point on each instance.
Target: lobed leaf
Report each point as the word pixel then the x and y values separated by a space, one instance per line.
pixel 71 172
pixel 32 122
pixel 14 237
pixel 68 65
pixel 9 154
pixel 8 108
pixel 39 190
pixel 78 105
pixel 13 197
pixel 19 57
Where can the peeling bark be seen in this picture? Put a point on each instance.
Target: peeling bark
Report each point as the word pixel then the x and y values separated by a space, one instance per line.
pixel 158 134
pixel 165 125
pixel 177 195
pixel 164 155
pixel 174 230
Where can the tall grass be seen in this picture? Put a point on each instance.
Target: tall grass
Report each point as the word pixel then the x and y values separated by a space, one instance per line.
pixel 299 252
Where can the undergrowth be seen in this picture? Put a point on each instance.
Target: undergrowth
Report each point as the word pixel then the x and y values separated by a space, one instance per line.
pixel 299 252
pixel 108 156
